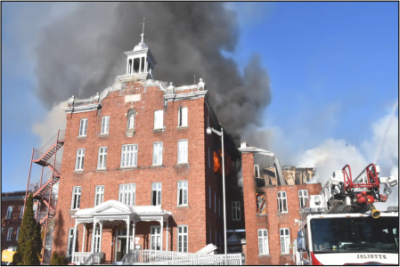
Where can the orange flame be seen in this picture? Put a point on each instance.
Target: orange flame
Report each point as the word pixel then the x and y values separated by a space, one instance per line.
pixel 217 162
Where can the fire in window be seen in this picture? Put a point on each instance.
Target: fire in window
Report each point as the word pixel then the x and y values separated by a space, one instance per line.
pixel 261 203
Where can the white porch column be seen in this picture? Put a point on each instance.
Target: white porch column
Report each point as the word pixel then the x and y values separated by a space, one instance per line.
pixel 145 64
pixel 127 232
pixel 74 240
pixel 162 232
pixel 83 239
pixel 140 65
pixel 93 234
pixel 166 236
pixel 133 235
pixel 127 65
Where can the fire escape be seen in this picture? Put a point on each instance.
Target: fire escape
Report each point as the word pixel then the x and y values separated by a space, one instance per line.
pixel 44 193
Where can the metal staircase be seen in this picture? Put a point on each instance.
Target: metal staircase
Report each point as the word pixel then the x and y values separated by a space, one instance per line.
pixel 46 157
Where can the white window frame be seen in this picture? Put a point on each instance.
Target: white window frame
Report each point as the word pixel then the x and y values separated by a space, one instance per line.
pixel 157 153
pixel 284 234
pixel 102 158
pixel 303 196
pixel 97 239
pixel 98 195
pixel 21 213
pixel 236 211
pixel 127 194
pixel 9 234
pixel 263 246
pixel 70 241
pixel 282 200
pixel 83 127
pixel 158 122
pixel 105 125
pixel 181 235
pixel 257 171
pixel 155 237
pixel 183 189
pixel 9 212
pixel 16 238
pixel 158 188
pixel 209 197
pixel 129 154
pixel 182 117
pixel 80 159
pixel 76 197
pixel 183 151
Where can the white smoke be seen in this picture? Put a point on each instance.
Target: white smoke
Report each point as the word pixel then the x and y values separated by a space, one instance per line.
pixel 333 155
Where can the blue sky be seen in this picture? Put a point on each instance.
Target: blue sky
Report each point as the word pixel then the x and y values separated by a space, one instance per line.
pixel 333 69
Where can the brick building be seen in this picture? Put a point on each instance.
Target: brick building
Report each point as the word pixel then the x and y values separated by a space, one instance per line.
pixel 139 171
pixel 12 209
pixel 270 210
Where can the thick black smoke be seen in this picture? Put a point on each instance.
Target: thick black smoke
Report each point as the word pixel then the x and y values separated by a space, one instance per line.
pixel 83 53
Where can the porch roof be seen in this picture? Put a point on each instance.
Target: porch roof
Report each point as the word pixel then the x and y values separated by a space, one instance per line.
pixel 114 207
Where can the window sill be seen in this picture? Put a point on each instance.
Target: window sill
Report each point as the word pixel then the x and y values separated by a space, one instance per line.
pixel 78 171
pixel 262 214
pixel 182 207
pixel 182 127
pixel 282 213
pixel 103 135
pixel 156 166
pixel 287 254
pixel 101 170
pixel 159 130
pixel 264 255
pixel 183 164
pixel 82 137
pixel 128 168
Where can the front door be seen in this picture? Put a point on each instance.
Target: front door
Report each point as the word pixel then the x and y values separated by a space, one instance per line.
pixel 155 238
pixel 121 248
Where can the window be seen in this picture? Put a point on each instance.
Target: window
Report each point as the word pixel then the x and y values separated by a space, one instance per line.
pixel 209 196
pixel 183 238
pixel 282 202
pixel 97 239
pixel 209 158
pixel 76 198
pixel 9 212
pixel 157 153
pixel 21 213
pixel 303 196
pixel 127 193
pixel 155 237
pixel 257 171
pixel 98 195
pixel 219 207
pixel 158 119
pixel 83 127
pixel 236 210
pixel 80 159
pixel 215 202
pixel 102 159
pixel 156 194
pixel 129 156
pixel 285 240
pixel 182 151
pixel 182 117
pixel 263 248
pixel 9 234
pixel 70 241
pixel 16 238
pixel 105 124
pixel 182 193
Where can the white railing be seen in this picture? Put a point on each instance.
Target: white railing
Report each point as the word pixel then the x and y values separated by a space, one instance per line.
pixel 156 257
pixel 86 258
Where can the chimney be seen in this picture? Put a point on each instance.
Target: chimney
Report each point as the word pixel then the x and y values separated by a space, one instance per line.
pixel 243 145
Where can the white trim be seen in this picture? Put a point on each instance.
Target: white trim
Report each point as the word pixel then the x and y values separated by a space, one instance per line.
pixel 181 148
pixel 157 153
pixel 158 119
pixel 105 125
pixel 131 155
pixel 183 185
pixel 181 249
pixel 157 237
pixel 80 159
pixel 83 124
pixel 98 195
pixel 264 250
pixel 77 192
pixel 303 196
pixel 102 154
pixel 285 237
pixel 186 96
pixel 128 192
pixel 282 201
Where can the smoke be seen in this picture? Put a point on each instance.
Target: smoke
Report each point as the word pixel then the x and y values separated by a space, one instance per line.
pixel 81 53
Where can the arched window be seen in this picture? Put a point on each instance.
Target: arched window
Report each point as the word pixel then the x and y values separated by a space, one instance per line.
pixel 130 124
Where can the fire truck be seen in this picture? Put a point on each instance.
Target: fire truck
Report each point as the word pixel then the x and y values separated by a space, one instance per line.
pixel 341 225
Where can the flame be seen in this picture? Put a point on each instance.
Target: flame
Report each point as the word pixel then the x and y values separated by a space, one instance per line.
pixel 218 162
pixel 262 205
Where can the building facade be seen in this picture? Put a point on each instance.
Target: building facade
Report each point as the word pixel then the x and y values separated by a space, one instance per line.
pixel 138 169
pixel 270 211
pixel 12 210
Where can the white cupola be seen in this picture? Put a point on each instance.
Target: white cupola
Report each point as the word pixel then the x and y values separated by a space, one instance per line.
pixel 140 62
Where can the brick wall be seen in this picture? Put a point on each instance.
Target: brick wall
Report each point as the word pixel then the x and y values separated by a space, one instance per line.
pixel 15 220
pixel 271 220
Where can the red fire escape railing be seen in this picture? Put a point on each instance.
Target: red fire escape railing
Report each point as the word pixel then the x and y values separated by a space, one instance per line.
pixel 46 157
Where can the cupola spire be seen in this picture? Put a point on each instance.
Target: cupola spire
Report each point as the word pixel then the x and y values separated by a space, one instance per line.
pixel 142 35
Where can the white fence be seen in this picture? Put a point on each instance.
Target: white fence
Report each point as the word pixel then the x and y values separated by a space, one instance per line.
pixel 86 258
pixel 156 257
